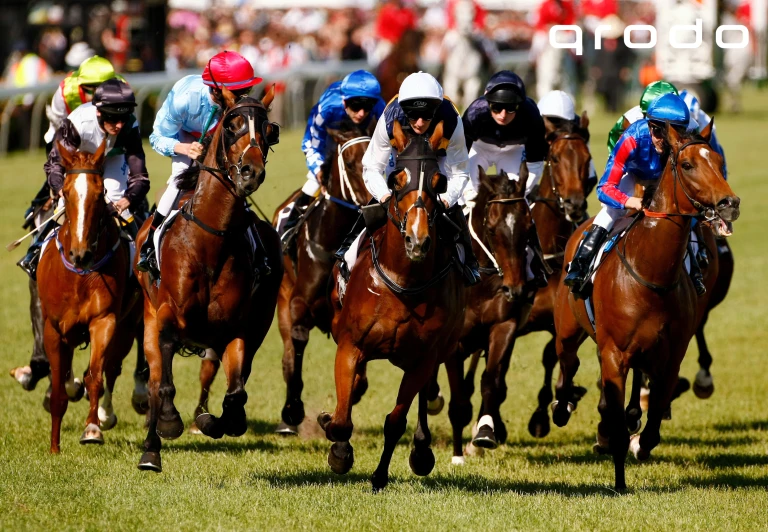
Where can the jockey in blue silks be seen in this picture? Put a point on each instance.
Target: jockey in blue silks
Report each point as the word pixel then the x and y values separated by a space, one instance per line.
pixel 357 98
pixel 639 155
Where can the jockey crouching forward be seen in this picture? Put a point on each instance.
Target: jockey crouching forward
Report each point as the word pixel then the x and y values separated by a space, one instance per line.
pixel 109 116
pixel 357 98
pixel 639 155
pixel 419 107
pixel 190 112
pixel 502 129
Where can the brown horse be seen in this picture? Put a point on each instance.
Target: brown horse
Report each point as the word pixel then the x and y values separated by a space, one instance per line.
pixel 303 300
pixel 213 292
pixel 404 302
pixel 496 307
pixel 401 61
pixel 86 294
pixel 645 306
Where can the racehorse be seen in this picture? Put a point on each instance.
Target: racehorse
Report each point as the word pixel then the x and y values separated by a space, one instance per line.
pixel 213 292
pixel 401 61
pixel 303 300
pixel 500 222
pixel 404 302
pixel 86 295
pixel 645 306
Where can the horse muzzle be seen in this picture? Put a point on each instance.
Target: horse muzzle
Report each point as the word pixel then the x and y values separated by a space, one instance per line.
pixel 574 208
pixel 250 180
pixel 417 248
pixel 511 293
pixel 728 208
pixel 82 258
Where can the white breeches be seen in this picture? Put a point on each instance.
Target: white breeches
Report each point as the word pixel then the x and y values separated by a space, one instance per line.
pixel 311 186
pixel 608 215
pixel 179 163
pixel 508 159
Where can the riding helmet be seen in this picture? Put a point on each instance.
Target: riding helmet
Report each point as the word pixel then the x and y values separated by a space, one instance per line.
pixel 669 108
pixel 231 70
pixel 114 97
pixel 420 91
pixel 94 70
pixel 557 104
pixel 360 84
pixel 653 91
pixel 505 87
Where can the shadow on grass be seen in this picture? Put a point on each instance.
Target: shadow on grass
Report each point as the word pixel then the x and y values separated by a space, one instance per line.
pixel 735 426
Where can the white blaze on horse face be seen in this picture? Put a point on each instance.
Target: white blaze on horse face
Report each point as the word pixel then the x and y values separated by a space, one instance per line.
pixel 81 189
pixel 510 220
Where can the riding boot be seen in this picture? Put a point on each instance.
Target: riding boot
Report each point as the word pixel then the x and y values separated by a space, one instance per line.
pixel 696 276
pixel 147 253
pixel 539 267
pixel 471 268
pixel 29 262
pixel 578 270
pixel 701 253
pixel 352 235
pixel 299 207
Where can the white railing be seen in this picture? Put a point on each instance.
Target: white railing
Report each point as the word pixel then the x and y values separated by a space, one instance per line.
pixel 305 81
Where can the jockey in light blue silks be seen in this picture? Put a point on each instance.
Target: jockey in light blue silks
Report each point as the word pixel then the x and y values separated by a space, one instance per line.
pixel 639 155
pixel 190 112
pixel 357 98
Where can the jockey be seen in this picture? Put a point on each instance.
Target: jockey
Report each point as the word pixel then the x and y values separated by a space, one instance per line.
pixel 108 117
pixel 639 155
pixel 357 98
pixel 502 128
pixel 650 93
pixel 419 107
pixel 557 107
pixel 189 114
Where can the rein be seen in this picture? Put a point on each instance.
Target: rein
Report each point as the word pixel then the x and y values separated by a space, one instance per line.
pixel 496 270
pixel 84 271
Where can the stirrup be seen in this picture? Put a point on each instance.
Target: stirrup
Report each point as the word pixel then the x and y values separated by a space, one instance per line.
pixel 698 285
pixel 146 260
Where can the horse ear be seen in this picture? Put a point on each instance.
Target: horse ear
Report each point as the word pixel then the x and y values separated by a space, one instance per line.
pixel 228 97
pixel 625 123
pixel 673 137
pixel 707 131
pixel 397 180
pixel 399 136
pixel 437 136
pixel 98 155
pixel 481 175
pixel 584 121
pixel 268 96
pixel 523 177
pixel 65 154
pixel 549 127
pixel 439 183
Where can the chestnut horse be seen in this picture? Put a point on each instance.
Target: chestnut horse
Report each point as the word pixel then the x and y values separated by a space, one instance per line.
pixel 212 292
pixel 496 307
pixel 645 307
pixel 303 300
pixel 404 302
pixel 86 295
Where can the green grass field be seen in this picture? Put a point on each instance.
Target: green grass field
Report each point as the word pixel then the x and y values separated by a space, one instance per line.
pixel 710 471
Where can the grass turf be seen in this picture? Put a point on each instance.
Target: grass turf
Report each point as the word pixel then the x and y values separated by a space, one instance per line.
pixel 710 472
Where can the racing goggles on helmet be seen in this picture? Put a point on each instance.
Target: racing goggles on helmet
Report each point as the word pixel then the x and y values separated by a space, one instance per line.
pixel 115 113
pixel 424 109
pixel 359 103
pixel 658 129
pixel 497 107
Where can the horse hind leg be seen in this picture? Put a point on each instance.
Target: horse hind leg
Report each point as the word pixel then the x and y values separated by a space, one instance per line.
pixel 422 459
pixel 703 386
pixel 459 407
pixel 232 421
pixel 38 368
pixel 169 423
pixel 661 395
pixel 140 394
pixel 118 349
pixel 209 367
pixel 435 399
pixel 612 426
pixel 538 426
pixel 60 356
pixel 634 413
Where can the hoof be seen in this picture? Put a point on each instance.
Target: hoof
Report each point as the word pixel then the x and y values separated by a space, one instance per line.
pixel 208 425
pixel 703 387
pixel 140 403
pixel 379 481
pixel 24 376
pixel 561 414
pixel 472 450
pixel 194 430
pixel 644 394
pixel 75 391
pixel 422 461
pixel 92 434
pixel 235 424
pixel 683 385
pixel 538 426
pixel 293 412
pixel 324 419
pixel 458 460
pixel 172 428
pixel 47 399
pixel 341 457
pixel 107 422
pixel 436 405
pixel 150 461
pixel 667 415
pixel 634 445
pixel 601 446
pixel 635 427
pixel 577 394
pixel 485 438
pixel 287 430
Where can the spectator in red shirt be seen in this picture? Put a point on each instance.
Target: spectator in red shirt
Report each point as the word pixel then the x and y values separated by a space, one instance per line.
pixel 393 20
pixel 554 68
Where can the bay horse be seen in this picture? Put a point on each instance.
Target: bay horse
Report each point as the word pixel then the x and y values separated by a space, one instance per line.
pixel 645 307
pixel 303 300
pixel 496 307
pixel 213 292
pixel 404 302
pixel 86 295
pixel 401 61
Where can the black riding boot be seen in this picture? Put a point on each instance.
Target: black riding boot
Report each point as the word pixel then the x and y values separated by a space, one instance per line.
pixel 701 254
pixel 578 270
pixel 29 262
pixel 299 206
pixel 696 276
pixel 539 267
pixel 372 217
pixel 147 253
pixel 471 268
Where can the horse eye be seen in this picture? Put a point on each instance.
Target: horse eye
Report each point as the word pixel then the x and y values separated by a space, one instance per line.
pixel 687 166
pixel 555 159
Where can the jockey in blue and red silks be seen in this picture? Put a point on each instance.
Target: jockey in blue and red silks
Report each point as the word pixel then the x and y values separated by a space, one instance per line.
pixel 639 155
pixel 189 113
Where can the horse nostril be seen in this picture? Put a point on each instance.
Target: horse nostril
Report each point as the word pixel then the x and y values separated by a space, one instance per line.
pixel 408 239
pixel 426 245
pixel 246 171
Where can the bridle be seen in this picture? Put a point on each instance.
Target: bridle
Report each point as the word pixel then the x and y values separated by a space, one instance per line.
pixel 343 176
pixel 558 199
pixel 488 250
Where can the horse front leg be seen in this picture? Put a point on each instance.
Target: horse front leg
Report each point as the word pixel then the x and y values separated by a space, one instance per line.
pixel 60 356
pixel 435 400
pixel 232 422
pixel 538 426
pixel 209 367
pixel 414 381
pixel 102 333
pixel 150 460
pixel 140 394
pixel 338 427
pixel 459 407
pixel 634 413
pixel 169 423
pixel 422 459
pixel 493 387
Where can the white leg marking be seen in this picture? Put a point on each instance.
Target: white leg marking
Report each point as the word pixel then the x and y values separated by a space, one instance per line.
pixel 105 408
pixel 486 420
